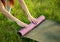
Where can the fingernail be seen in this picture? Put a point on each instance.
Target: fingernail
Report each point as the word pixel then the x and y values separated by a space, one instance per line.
pixel 33 22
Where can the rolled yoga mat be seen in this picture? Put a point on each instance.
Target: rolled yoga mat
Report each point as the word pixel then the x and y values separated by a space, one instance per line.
pixel 31 26
pixel 47 31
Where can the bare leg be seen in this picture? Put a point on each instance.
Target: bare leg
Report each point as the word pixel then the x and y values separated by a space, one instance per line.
pixel 27 11
pixel 9 15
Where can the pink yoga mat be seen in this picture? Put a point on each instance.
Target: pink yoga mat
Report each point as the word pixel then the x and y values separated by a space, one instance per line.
pixel 31 26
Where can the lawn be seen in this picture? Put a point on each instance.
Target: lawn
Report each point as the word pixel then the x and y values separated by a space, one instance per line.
pixel 8 29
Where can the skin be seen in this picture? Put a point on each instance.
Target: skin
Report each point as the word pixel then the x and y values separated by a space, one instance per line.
pixel 10 16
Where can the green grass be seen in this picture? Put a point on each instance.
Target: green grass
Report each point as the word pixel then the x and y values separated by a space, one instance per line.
pixel 8 29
